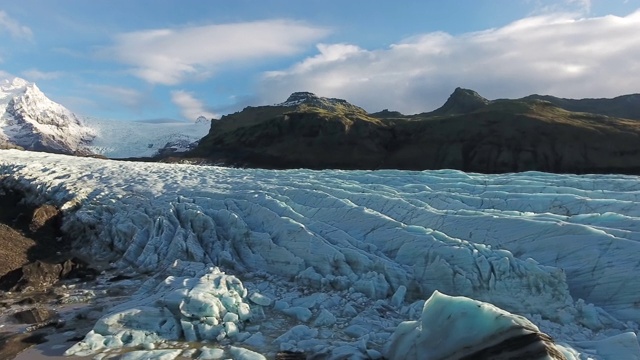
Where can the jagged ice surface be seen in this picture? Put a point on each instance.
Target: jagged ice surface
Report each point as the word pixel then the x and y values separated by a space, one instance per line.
pixel 125 139
pixel 561 250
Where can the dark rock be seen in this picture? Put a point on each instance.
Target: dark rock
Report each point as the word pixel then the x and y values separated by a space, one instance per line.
pixel 35 315
pixel 58 323
pixel 462 101
pixel 386 114
pixel 526 347
pixel 120 277
pixel 291 355
pixel 39 275
pixel 45 215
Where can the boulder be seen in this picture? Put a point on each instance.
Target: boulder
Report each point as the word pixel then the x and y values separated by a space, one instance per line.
pixel 45 215
pixel 39 275
pixel 34 315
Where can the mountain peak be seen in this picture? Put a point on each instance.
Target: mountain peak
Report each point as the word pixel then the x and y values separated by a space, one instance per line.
pixel 461 101
pixel 14 85
pixel 202 120
pixel 461 92
pixel 14 82
pixel 300 97
pixel 308 98
pixel 32 121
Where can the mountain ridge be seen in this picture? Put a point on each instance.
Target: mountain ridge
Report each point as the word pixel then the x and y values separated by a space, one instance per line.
pixel 468 133
pixel 624 106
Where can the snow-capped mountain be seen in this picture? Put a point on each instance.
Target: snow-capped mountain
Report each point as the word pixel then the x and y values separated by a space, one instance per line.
pixel 32 121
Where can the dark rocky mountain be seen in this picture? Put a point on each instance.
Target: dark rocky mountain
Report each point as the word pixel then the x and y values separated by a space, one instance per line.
pixel 626 106
pixel 468 133
pixel 461 101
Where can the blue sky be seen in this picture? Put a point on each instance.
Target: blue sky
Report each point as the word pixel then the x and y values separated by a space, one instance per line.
pixel 156 59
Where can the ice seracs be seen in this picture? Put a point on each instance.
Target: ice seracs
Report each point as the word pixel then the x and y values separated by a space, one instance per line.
pixel 196 303
pixel 336 260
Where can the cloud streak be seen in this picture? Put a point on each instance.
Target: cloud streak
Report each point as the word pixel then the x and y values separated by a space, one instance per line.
pixel 191 107
pixel 14 28
pixel 557 54
pixel 36 75
pixel 172 56
pixel 123 96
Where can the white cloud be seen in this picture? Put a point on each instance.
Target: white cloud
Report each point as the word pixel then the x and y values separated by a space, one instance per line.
pixel 131 98
pixel 35 75
pixel 15 29
pixel 191 108
pixel 171 56
pixel 557 54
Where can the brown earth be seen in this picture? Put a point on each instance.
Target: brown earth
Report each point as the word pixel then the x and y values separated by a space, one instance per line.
pixel 34 256
pixel 28 233
pixel 13 344
pixel 14 249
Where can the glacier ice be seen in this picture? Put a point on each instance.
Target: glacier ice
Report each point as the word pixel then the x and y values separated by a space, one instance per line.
pixel 196 303
pixel 459 327
pixel 365 247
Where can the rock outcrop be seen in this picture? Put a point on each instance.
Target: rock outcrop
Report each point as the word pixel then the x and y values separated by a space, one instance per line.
pixel 34 255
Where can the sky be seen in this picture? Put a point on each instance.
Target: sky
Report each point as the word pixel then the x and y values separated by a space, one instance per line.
pixel 170 59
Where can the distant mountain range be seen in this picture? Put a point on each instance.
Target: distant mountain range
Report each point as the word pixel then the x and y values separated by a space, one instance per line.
pixel 468 133
pixel 31 121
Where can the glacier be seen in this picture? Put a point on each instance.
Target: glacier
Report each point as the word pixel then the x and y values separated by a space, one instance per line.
pixel 332 262
pixel 127 139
